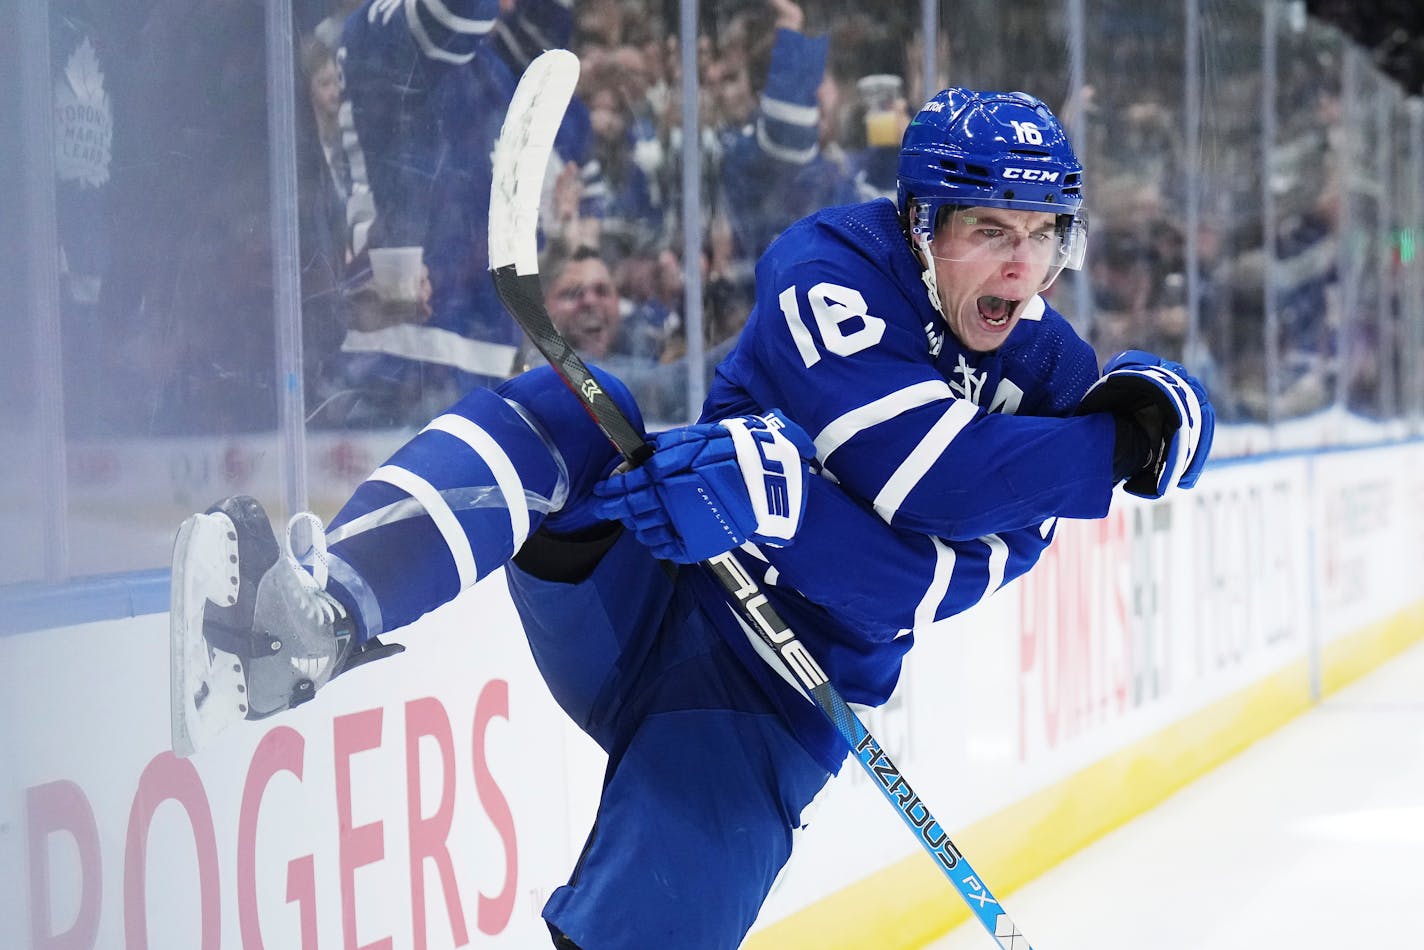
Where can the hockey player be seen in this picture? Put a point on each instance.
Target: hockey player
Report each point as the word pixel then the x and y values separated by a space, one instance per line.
pixel 936 417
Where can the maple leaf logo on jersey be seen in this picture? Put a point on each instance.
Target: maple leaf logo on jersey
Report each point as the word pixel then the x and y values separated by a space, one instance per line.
pixel 84 123
pixel 970 384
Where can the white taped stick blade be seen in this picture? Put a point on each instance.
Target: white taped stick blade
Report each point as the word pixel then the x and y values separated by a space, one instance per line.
pixel 521 158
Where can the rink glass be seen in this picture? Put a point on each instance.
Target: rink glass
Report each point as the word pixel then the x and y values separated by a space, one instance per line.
pixel 176 296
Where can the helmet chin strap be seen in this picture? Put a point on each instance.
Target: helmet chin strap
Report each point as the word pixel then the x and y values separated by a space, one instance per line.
pixel 920 241
pixel 922 230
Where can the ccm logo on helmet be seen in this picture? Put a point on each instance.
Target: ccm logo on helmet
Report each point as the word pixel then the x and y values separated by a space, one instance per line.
pixel 1030 174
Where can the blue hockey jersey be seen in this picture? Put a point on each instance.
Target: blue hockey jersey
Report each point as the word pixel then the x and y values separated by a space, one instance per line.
pixel 944 469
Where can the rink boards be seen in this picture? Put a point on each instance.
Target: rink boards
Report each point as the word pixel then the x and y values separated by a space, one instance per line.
pixel 435 799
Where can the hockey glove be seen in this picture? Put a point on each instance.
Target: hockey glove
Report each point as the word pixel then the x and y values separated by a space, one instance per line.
pixel 1162 410
pixel 710 487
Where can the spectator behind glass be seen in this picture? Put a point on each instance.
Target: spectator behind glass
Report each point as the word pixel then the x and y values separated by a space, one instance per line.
pixel 633 341
pixel 1122 284
pixel 767 77
pixel 323 190
pixel 651 287
pixel 583 303
pixel 868 62
pixel 323 88
pixel 628 151
pixel 880 116
pixel 428 83
pixel 598 23
pixel 587 308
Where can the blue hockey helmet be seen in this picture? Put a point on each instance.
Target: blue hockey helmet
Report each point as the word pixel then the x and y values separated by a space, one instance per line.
pixel 969 149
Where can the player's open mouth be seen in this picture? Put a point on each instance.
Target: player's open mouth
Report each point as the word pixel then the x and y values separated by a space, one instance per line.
pixel 996 311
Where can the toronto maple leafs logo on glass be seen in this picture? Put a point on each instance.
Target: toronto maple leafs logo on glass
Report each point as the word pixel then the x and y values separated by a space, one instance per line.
pixel 84 123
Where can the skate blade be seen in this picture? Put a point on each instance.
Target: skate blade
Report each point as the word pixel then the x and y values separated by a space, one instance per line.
pixel 207 685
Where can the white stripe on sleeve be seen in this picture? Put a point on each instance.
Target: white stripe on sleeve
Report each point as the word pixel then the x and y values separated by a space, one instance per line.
pixel 439 512
pixel 939 584
pixel 922 458
pixel 791 156
pixel 842 429
pixel 792 113
pixel 998 558
pixel 511 486
pixel 429 47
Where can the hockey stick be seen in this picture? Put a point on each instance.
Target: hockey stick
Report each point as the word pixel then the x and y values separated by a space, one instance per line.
pixel 521 158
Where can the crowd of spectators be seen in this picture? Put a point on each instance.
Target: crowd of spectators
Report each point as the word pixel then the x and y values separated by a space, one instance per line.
pixel 783 133
pixel 801 105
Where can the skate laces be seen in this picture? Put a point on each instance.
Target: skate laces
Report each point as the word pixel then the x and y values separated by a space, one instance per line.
pixel 312 565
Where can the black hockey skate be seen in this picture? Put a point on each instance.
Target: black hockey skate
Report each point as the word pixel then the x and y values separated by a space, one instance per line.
pixel 251 632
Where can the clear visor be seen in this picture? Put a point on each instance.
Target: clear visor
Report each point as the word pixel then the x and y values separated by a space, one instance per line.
pixel 1044 243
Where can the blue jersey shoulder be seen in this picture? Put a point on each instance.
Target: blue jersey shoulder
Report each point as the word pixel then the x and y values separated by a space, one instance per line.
pixel 862 245
pixel 1060 363
pixel 839 283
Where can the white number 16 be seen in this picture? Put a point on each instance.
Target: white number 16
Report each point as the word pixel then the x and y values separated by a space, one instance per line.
pixel 1027 133
pixel 840 317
